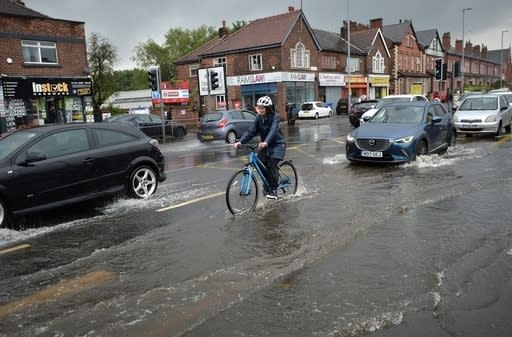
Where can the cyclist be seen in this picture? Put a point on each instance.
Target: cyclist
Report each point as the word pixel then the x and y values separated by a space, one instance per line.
pixel 272 146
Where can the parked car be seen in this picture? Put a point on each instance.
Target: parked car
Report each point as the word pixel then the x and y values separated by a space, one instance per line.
pixel 399 132
pixel 483 114
pixel 506 94
pixel 357 110
pixel 227 125
pixel 342 107
pixel 314 109
pixel 151 125
pixel 457 100
pixel 55 165
pixel 391 99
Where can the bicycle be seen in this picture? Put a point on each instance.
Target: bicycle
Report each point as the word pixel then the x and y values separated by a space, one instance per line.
pixel 242 189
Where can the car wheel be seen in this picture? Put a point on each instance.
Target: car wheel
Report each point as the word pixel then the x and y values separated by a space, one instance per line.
pixel 421 148
pixel 142 182
pixel 179 133
pixel 330 114
pixel 3 214
pixel 231 137
pixel 498 132
pixel 317 116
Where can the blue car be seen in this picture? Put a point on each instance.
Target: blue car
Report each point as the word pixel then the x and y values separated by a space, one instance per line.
pixel 399 132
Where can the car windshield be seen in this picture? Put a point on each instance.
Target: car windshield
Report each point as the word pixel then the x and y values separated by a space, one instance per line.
pixel 479 103
pixel 14 141
pixel 211 117
pixel 398 114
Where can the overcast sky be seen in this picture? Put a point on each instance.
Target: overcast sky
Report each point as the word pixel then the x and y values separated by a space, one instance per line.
pixel 127 23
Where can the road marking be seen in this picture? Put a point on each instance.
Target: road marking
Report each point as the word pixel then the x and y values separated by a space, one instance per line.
pixel 60 290
pixel 15 249
pixel 190 202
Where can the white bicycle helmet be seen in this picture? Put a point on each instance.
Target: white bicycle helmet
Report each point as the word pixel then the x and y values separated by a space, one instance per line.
pixel 264 101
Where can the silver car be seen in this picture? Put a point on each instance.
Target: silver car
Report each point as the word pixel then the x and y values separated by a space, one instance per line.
pixel 227 125
pixel 483 114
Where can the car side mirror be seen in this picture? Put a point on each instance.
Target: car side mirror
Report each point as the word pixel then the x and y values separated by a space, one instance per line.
pixel 504 107
pixel 436 119
pixel 366 118
pixel 31 157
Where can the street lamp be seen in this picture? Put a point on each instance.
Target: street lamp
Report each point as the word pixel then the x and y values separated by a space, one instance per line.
pixel 501 59
pixel 463 48
pixel 348 55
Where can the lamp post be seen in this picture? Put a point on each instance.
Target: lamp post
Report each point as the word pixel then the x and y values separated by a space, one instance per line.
pixel 501 59
pixel 463 48
pixel 348 55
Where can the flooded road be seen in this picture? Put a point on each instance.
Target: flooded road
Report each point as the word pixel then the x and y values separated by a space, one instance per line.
pixel 421 249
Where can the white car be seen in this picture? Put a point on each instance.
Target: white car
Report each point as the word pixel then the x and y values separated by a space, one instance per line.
pixel 483 114
pixel 391 99
pixel 314 109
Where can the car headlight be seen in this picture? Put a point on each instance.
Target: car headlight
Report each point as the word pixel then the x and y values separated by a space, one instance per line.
pixel 404 140
pixel 350 138
pixel 490 119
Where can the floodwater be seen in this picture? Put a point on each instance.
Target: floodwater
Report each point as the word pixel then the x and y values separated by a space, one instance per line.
pixel 359 250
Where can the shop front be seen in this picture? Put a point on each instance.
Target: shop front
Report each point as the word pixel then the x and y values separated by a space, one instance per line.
pixel 378 86
pixel 331 86
pixel 37 101
pixel 294 87
pixel 358 86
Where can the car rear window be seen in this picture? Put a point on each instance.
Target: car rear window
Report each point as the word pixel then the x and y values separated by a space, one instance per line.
pixel 211 117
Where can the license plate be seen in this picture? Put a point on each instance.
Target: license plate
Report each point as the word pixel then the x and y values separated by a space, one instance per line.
pixel 470 126
pixel 208 137
pixel 372 154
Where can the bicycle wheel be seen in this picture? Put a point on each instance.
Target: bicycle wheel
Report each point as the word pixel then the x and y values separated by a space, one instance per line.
pixel 288 178
pixel 242 193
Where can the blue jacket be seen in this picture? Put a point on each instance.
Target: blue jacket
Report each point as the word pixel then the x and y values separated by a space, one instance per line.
pixel 267 127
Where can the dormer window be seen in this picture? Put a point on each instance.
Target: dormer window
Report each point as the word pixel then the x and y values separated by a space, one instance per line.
pixel 299 56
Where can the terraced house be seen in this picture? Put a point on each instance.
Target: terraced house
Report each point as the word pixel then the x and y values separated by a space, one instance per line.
pixel 284 57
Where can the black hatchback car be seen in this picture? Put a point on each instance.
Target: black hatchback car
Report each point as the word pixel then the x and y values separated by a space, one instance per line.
pixel 151 125
pixel 56 165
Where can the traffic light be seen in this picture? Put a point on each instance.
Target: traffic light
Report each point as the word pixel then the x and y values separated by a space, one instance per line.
pixel 214 80
pixel 153 79
pixel 445 71
pixel 438 69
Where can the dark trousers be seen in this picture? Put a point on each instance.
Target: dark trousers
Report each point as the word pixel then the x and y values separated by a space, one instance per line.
pixel 272 169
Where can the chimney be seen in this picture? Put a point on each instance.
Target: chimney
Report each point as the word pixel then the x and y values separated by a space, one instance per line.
pixel 20 2
pixel 458 45
pixel 447 41
pixel 376 23
pixel 344 30
pixel 476 51
pixel 291 9
pixel 468 48
pixel 223 31
pixel 484 51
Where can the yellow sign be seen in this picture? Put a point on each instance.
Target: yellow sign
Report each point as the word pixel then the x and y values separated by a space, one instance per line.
pixel 83 91
pixel 379 81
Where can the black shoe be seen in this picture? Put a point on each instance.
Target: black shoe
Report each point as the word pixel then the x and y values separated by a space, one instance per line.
pixel 272 195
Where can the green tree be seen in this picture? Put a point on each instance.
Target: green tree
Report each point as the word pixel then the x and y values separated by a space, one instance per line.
pixel 178 42
pixel 133 79
pixel 102 56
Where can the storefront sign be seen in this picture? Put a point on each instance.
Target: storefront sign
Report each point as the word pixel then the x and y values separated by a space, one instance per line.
pixel 172 96
pixel 378 81
pixel 331 79
pixel 277 76
pixel 34 87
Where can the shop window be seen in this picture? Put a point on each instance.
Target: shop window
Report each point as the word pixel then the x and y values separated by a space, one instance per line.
pixel 299 56
pixel 41 52
pixel 255 62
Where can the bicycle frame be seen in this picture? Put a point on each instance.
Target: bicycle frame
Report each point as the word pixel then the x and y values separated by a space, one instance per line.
pixel 255 163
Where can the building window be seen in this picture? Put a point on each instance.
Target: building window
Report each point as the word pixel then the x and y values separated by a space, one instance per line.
pixel 255 62
pixel 378 63
pixel 299 56
pixel 193 70
pixel 353 63
pixel 329 62
pixel 39 52
pixel 219 61
pixel 220 102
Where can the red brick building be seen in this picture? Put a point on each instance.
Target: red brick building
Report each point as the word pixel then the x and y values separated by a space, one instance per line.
pixel 43 66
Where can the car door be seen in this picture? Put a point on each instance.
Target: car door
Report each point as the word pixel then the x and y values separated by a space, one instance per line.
pixel 445 124
pixel 64 168
pixel 433 129
pixel 505 111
